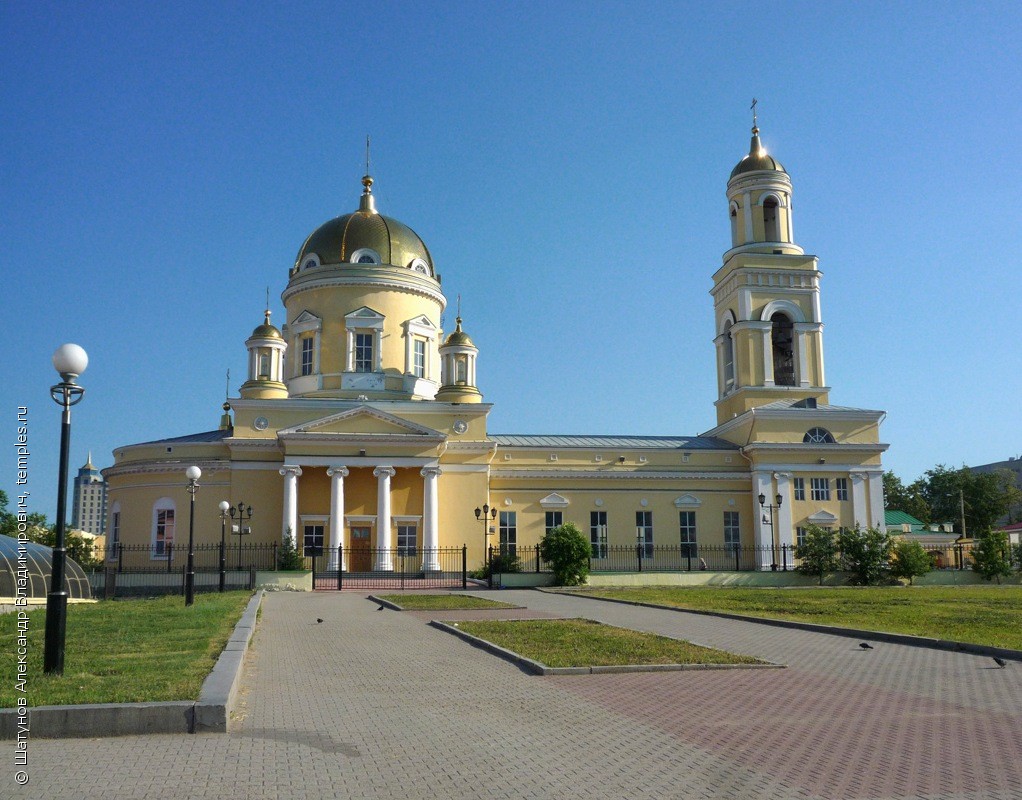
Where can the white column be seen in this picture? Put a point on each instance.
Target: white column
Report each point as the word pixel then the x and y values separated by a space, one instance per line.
pixel 747 214
pixel 290 521
pixel 784 525
pixel 351 350
pixel 762 484
pixel 383 545
pixel 791 227
pixel 430 519
pixel 337 476
pixel 859 498
pixel 377 350
pixel 768 355
pixel 876 499
pixel 802 352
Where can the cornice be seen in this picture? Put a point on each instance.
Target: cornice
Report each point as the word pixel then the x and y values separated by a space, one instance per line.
pixel 589 474
pixel 397 280
pixel 816 449
pixel 154 467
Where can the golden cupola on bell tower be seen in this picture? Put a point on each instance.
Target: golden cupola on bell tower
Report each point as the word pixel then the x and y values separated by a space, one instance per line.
pixel 458 368
pixel 266 349
pixel 769 333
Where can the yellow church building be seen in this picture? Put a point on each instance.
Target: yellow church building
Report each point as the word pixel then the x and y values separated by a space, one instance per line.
pixel 362 426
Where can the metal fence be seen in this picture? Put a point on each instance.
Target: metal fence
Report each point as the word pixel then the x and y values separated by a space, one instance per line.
pixel 388 568
pixel 109 583
pixel 170 559
pixel 694 557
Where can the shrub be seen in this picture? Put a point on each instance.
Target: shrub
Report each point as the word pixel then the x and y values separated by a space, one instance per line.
pixel 567 550
pixel 818 553
pixel 910 560
pixel 866 553
pixel 990 556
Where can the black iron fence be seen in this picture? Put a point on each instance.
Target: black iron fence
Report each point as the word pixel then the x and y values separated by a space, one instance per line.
pixel 171 558
pixel 388 568
pixel 109 583
pixel 692 558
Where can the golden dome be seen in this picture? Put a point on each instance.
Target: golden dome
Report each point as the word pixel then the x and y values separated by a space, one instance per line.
pixel 266 330
pixel 757 160
pixel 392 242
pixel 459 337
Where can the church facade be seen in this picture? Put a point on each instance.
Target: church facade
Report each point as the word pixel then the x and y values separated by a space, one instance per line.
pixel 362 426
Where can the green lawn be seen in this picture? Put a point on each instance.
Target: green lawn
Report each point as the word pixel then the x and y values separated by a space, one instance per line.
pixel 441 602
pixel 584 643
pixel 989 615
pixel 124 651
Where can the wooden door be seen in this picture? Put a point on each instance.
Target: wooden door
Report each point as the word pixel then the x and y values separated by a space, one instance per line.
pixel 360 557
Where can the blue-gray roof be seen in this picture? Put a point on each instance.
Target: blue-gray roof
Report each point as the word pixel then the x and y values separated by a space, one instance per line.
pixel 626 442
pixel 191 438
pixel 798 405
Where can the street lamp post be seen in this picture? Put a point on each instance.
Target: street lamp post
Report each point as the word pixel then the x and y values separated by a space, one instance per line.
pixel 486 515
pixel 193 473
pixel 224 507
pixel 773 528
pixel 70 361
pixel 240 514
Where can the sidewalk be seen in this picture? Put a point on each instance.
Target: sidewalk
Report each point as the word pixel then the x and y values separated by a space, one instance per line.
pixel 376 704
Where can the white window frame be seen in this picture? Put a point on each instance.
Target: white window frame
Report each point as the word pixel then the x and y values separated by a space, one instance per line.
pixel 307 325
pixel 508 531
pixel 644 531
pixel 407 531
pixel 732 529
pixel 551 520
pixel 841 488
pixel 598 533
pixel 365 255
pixel 687 533
pixel 306 355
pixel 364 321
pixel 159 549
pixel 799 488
pixel 820 489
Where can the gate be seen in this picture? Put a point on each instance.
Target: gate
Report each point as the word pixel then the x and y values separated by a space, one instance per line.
pixel 394 568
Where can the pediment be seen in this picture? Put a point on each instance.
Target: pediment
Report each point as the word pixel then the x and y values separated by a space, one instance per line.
pixel 687 501
pixel 306 317
pixel 822 518
pixel 554 500
pixel 422 321
pixel 364 313
pixel 363 421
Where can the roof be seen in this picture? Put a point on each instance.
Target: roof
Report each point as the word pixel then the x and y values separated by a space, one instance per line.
pixel 630 442
pixel 191 438
pixel 757 159
pixel 900 518
pixel 799 405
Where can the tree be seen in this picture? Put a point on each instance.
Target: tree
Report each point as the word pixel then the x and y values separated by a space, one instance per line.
pixel 567 550
pixel 910 560
pixel 818 553
pixel 866 553
pixel 910 499
pixel 287 556
pixel 990 555
pixel 986 496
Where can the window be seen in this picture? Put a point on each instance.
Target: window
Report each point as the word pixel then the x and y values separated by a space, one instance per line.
pixel 771 230
pixel 734 223
pixel 407 539
pixel 363 352
pixel 800 488
pixel 782 338
pixel 313 542
pixel 461 369
pixel 800 536
pixel 818 436
pixel 419 358
pixel 508 532
pixel 554 519
pixel 115 527
pixel 644 531
pixel 264 364
pixel 729 360
pixel 307 344
pixel 365 258
pixel 841 484
pixel 163 527
pixel 732 529
pixel 821 489
pixel 598 533
pixel 687 526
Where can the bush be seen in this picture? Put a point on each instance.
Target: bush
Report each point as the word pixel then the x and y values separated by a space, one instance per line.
pixel 990 556
pixel 910 560
pixel 287 555
pixel 818 553
pixel 866 553
pixel 502 561
pixel 567 550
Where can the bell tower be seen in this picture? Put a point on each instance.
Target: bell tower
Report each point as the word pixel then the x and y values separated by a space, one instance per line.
pixel 766 296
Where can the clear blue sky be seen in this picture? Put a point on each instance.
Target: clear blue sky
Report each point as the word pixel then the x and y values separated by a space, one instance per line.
pixel 566 164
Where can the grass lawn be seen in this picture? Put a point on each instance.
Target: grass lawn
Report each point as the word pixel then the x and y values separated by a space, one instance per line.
pixel 441 602
pixel 124 651
pixel 989 615
pixel 584 643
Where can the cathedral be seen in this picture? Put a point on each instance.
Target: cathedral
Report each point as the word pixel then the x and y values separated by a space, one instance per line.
pixel 362 426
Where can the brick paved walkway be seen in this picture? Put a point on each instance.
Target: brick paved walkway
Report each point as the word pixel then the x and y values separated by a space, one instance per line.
pixel 376 704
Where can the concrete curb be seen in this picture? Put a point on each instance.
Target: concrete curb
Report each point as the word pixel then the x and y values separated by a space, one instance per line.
pixel 210 714
pixel 536 668
pixel 394 606
pixel 834 630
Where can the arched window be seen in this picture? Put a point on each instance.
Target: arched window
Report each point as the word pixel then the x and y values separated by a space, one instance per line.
pixel 782 337
pixel 771 228
pixel 734 223
pixel 164 525
pixel 818 436
pixel 729 360
pixel 365 258
pixel 365 255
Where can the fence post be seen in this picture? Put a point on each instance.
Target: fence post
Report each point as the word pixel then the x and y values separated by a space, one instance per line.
pixel 340 562
pixel 688 548
pixel 738 567
pixel 401 556
pixel 638 554
pixel 489 567
pixel 537 559
pixel 464 566
pixel 170 557
pixel 120 556
pixel 184 578
pixel 251 578
pixel 274 556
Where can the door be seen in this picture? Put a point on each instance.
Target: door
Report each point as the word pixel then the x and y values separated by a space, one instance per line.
pixel 360 558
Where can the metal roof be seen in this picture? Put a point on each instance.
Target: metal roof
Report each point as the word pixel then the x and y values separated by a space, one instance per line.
pixel 625 442
pixel 191 438
pixel 797 405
